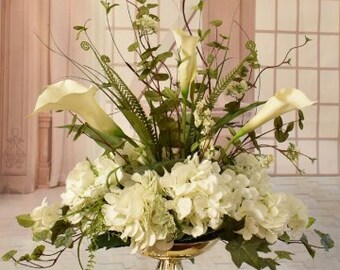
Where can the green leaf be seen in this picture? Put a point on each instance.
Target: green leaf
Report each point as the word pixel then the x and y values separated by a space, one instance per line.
pixel 278 123
pixel 281 136
pixel 65 240
pixel 160 76
pixel 79 28
pixel 218 45
pixel 284 255
pixel 41 236
pixel 133 47
pixel 108 142
pixel 229 227
pixel 216 23
pixel 311 222
pixel 231 116
pixel 25 220
pixel 153 96
pixel 200 5
pixel 150 6
pixel 141 1
pixel 210 58
pixel 9 255
pixel 37 252
pixel 59 228
pixel 107 240
pixel 243 251
pixel 170 93
pixel 304 241
pixel 290 127
pixel 232 107
pixel 166 106
pixel 145 73
pixel 163 56
pixel 285 238
pixel 326 241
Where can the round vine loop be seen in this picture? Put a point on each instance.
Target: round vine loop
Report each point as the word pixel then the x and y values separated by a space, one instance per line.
pixel 85 45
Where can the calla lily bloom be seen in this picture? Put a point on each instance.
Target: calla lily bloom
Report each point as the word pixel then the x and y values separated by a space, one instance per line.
pixel 285 100
pixel 188 67
pixel 69 95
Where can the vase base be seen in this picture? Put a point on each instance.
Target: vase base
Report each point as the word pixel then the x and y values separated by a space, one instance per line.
pixel 168 264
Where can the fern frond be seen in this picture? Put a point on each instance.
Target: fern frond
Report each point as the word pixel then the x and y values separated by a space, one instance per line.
pixel 128 102
pixel 91 261
pixel 223 84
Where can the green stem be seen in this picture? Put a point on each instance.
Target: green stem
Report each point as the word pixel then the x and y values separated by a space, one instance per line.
pixel 184 120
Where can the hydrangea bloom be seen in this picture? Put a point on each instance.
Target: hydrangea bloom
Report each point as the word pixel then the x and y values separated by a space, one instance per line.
pixel 45 217
pixel 87 181
pixel 138 212
pixel 197 194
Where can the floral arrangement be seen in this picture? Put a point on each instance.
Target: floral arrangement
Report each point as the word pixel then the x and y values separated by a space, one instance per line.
pixel 178 180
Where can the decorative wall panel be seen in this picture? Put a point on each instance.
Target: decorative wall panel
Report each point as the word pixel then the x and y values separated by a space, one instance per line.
pixel 20 54
pixel 315 68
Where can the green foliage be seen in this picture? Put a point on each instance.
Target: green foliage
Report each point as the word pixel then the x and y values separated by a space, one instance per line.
pixel 65 239
pixel 325 240
pixel 25 220
pixel 108 6
pixel 107 240
pixel 284 255
pixel 243 251
pixel 9 255
pixel 107 142
pixel 41 235
pixel 309 248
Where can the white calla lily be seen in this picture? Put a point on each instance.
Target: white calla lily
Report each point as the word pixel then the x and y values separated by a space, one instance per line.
pixel 188 67
pixel 69 95
pixel 285 100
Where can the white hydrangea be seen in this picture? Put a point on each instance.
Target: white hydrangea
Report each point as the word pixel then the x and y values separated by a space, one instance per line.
pixel 298 213
pixel 198 196
pixel 87 181
pixel 267 214
pixel 45 217
pixel 138 212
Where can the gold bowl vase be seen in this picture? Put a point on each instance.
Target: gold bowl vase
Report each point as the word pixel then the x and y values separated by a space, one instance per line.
pixel 172 259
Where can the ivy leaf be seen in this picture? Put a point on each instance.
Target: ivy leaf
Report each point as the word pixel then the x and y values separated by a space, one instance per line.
pixel 37 252
pixel 41 236
pixel 230 226
pixel 65 240
pixel 326 241
pixel 9 255
pixel 284 255
pixel 311 221
pixel 59 228
pixel 304 241
pixel 25 220
pixel 243 251
pixel 107 240
pixel 285 238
